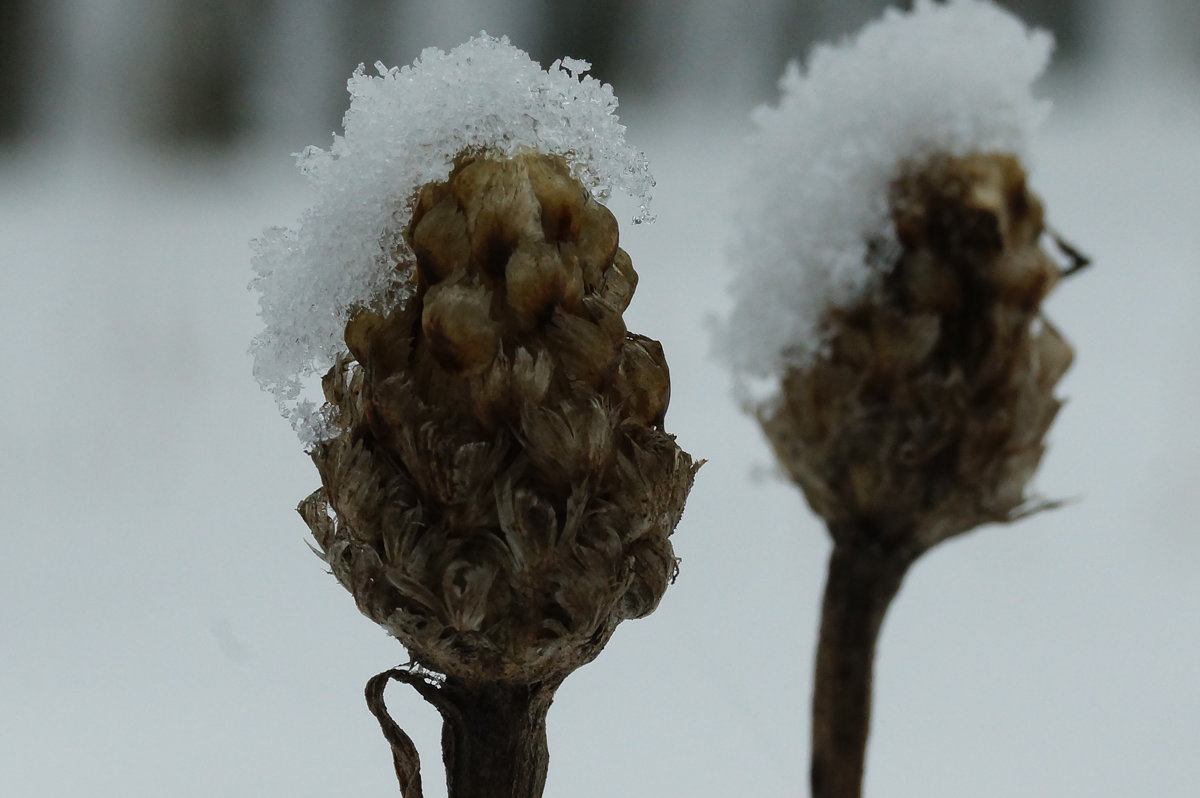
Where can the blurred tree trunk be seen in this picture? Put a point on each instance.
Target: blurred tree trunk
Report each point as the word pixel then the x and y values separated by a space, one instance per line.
pixel 367 32
pixel 16 53
pixel 594 31
pixel 209 54
pixel 1063 17
pixel 839 18
pixel 217 53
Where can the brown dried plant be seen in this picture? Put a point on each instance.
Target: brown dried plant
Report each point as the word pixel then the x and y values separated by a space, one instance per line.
pixel 501 492
pixel 923 418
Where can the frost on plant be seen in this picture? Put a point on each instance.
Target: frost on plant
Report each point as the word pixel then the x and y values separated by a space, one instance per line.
pixel 815 228
pixel 404 129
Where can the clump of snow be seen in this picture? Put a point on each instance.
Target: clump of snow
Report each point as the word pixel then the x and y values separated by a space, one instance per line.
pixel 403 129
pixel 948 78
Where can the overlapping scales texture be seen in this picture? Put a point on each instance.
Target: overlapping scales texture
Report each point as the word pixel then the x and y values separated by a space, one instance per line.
pixel 502 492
pixel 926 415
pixel 403 129
pixel 951 78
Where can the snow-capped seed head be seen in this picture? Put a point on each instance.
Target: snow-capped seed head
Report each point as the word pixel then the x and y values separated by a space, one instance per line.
pixel 501 492
pixel 404 129
pixel 815 228
pixel 926 414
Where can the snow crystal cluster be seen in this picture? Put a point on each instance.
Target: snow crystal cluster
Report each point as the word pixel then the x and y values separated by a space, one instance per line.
pixel 949 78
pixel 404 129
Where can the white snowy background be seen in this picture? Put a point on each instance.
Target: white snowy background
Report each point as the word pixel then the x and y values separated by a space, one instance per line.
pixel 166 631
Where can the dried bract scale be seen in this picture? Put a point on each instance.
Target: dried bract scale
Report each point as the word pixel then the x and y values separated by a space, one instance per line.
pixel 502 492
pixel 926 414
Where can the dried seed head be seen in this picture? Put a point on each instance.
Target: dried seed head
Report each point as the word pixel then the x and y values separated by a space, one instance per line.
pixel 926 414
pixel 502 492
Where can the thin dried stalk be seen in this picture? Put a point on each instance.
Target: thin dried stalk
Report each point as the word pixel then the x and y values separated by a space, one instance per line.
pixel 494 739
pixel 493 735
pixel 858 590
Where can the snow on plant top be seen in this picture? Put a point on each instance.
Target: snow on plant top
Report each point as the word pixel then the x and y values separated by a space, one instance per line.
pixel 403 129
pixel 952 78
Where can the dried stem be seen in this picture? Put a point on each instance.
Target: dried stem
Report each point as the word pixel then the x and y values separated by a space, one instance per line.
pixel 861 583
pixel 493 736
pixel 494 739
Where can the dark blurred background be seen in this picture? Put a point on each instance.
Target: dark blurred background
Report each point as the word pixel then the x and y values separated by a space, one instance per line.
pixel 216 73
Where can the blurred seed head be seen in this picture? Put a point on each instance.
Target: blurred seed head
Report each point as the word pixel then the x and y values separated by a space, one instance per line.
pixel 926 414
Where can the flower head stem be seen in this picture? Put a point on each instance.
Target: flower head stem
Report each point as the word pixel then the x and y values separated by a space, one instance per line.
pixel 494 738
pixel 493 735
pixel 861 583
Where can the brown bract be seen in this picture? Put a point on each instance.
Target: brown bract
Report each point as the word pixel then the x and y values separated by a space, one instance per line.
pixel 926 415
pixel 502 492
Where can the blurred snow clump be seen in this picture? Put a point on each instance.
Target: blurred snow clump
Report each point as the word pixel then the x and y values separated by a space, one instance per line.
pixel 814 226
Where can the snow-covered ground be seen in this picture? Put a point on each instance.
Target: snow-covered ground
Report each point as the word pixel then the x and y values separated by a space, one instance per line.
pixel 167 632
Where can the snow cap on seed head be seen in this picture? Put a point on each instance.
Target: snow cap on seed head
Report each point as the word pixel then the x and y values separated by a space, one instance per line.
pixel 404 128
pixel 946 78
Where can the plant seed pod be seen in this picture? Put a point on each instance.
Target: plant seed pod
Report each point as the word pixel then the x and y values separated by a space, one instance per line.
pixel 926 414
pixel 502 493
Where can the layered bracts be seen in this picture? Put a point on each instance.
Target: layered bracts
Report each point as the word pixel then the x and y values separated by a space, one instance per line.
pixel 502 492
pixel 925 414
